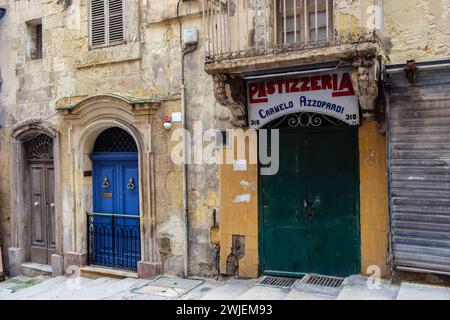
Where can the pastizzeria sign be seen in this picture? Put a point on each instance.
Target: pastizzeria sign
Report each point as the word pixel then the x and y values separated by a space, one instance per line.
pixel 328 93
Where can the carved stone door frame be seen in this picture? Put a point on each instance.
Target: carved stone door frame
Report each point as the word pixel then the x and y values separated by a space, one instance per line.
pixel 20 188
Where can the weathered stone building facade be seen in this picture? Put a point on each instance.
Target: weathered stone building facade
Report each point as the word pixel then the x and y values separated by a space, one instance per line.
pixel 132 85
pixel 72 90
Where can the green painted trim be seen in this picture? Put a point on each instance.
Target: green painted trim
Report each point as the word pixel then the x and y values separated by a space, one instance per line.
pixel 64 107
pixel 132 100
pixel 284 274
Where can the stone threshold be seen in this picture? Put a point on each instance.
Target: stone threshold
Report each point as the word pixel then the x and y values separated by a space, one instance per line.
pixel 95 272
pixel 32 269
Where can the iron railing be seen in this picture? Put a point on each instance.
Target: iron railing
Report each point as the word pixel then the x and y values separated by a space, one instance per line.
pixel 113 240
pixel 245 28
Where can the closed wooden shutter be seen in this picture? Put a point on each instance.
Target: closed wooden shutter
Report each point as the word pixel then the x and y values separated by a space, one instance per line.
pixel 98 23
pixel 115 21
pixel 106 22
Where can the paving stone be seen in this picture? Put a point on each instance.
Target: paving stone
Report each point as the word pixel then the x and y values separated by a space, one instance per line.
pixel 200 291
pixel 264 293
pixel 38 288
pixel 60 288
pixel 123 286
pixel 414 291
pixel 129 294
pixel 356 288
pixel 298 295
pixel 63 291
pixel 86 289
pixel 230 290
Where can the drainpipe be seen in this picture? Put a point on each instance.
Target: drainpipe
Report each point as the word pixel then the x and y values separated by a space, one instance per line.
pixel 184 52
pixel 2 14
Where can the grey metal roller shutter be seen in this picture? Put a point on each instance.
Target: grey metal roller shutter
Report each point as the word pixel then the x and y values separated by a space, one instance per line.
pixel 419 170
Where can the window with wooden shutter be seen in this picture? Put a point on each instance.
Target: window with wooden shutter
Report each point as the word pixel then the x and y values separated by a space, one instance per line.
pixel 106 22
pixel 115 21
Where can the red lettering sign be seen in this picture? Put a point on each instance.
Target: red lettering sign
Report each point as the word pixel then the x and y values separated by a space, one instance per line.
pixel 259 92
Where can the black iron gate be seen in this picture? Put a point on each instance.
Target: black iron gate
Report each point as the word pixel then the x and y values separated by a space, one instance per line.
pixel 114 240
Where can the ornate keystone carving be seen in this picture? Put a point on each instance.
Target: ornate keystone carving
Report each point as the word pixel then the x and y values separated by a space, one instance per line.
pixel 365 78
pixel 229 91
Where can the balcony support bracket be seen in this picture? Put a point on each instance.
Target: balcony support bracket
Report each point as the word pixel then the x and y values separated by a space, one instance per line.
pixel 365 78
pixel 229 91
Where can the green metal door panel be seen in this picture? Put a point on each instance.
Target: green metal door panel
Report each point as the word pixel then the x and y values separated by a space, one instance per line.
pixel 285 223
pixel 331 183
pixel 309 209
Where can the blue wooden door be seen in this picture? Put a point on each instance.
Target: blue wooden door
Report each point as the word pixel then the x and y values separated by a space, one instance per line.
pixel 116 223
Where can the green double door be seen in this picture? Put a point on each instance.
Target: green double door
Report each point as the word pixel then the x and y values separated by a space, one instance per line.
pixel 308 211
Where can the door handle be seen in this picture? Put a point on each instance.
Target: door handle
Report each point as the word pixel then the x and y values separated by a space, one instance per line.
pixel 52 205
pixel 130 185
pixel 309 209
pixel 36 204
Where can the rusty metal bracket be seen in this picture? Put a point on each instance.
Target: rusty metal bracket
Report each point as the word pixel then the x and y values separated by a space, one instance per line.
pixel 411 71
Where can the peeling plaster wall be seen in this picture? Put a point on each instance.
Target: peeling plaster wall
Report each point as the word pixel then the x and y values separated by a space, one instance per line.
pixel 419 29
pixel 148 65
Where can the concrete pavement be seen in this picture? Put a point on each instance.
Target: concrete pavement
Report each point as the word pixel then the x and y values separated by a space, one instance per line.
pixel 170 288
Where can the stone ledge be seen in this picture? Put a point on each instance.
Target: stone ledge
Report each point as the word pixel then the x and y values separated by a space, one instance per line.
pixel 113 54
pixel 31 269
pixel 98 272
pixel 293 58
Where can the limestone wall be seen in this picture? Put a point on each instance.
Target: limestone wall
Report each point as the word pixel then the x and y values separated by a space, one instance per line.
pixel 419 29
pixel 148 65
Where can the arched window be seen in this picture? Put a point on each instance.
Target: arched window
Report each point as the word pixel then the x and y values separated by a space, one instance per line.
pixel 115 140
pixel 40 148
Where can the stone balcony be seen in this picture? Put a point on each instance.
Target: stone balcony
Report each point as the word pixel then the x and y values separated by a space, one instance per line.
pixel 248 37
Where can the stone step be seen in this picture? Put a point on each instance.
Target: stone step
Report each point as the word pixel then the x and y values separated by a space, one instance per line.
pixel 31 269
pixel 98 272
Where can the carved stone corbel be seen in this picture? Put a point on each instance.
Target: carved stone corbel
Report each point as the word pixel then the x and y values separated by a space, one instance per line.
pixel 365 78
pixel 229 91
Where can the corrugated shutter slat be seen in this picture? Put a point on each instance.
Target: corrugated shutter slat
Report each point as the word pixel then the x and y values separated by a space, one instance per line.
pixel 419 162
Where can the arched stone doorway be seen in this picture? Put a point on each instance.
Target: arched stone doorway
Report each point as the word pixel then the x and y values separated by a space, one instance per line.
pixel 35 218
pixel 83 124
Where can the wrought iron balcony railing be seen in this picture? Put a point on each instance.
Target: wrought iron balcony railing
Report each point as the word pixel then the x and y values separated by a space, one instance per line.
pixel 248 28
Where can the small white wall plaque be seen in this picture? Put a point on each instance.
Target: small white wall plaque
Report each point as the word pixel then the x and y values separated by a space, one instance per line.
pixel 240 165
